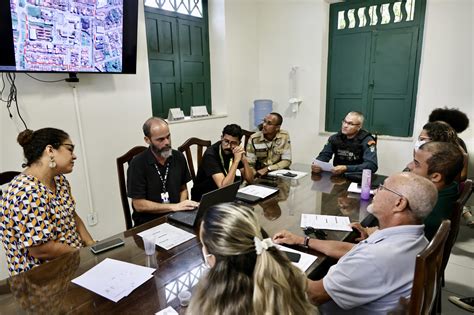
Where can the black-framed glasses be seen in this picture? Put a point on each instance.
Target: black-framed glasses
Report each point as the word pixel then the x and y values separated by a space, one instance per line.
pixel 231 143
pixel 317 233
pixel 350 123
pixel 268 122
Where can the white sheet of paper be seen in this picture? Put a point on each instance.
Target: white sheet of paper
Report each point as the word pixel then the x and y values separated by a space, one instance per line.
pixel 114 279
pixel 325 166
pixel 325 222
pixel 305 261
pixel 258 190
pixel 167 236
pixel 354 188
pixel 280 173
pixel 167 311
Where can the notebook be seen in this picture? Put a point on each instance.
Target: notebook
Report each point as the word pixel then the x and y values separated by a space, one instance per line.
pixel 255 193
pixel 192 218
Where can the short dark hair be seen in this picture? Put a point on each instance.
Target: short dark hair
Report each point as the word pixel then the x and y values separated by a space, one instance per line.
pixel 446 159
pixel 453 116
pixel 280 118
pixel 441 131
pixel 34 142
pixel 147 125
pixel 233 130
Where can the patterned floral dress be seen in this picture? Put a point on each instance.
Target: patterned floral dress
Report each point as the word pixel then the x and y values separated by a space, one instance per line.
pixel 31 214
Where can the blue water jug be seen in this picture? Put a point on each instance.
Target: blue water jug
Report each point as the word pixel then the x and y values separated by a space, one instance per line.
pixel 261 108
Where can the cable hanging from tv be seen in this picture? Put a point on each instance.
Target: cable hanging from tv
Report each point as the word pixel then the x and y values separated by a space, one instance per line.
pixel 12 95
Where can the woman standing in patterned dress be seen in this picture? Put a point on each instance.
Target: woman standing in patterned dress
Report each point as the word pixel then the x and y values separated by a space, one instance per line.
pixel 38 219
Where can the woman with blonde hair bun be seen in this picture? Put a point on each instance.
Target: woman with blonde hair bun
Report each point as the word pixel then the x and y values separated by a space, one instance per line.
pixel 247 274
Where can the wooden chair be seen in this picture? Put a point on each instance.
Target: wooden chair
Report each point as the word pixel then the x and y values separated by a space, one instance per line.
pixel 454 231
pixel 121 160
pixel 427 279
pixel 247 134
pixel 201 145
pixel 7 176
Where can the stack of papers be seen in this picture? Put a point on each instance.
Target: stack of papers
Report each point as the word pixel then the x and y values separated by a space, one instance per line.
pixel 167 236
pixel 325 222
pixel 114 279
pixel 325 166
pixel 284 174
pixel 258 191
pixel 305 261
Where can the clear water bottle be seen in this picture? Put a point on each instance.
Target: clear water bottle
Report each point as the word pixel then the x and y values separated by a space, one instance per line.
pixel 365 185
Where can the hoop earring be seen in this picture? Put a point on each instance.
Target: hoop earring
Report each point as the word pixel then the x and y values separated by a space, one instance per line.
pixel 52 162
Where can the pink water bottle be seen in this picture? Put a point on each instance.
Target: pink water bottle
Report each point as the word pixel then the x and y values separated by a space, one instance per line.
pixel 365 185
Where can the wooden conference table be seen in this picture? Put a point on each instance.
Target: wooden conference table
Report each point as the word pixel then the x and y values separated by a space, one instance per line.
pixel 48 288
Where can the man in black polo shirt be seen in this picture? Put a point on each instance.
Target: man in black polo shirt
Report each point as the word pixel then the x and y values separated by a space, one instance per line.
pixel 157 177
pixel 220 163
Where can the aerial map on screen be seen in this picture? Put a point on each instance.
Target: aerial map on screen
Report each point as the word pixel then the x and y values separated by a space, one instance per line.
pixel 68 35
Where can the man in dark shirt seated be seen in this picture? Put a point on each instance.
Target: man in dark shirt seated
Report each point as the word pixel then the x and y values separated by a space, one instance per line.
pixel 220 163
pixel 157 177
pixel 354 148
pixel 440 162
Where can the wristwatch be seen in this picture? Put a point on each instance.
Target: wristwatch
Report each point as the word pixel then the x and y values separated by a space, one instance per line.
pixel 306 242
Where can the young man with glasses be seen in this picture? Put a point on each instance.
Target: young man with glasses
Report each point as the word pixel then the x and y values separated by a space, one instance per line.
pixel 354 148
pixel 220 163
pixel 269 149
pixel 371 276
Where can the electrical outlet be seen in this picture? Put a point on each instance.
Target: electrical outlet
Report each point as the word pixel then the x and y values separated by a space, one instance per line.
pixel 92 218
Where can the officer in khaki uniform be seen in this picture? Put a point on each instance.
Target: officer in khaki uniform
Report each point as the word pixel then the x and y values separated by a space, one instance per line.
pixel 269 149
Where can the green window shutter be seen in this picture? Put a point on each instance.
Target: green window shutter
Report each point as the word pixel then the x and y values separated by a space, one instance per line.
pixel 178 60
pixel 373 64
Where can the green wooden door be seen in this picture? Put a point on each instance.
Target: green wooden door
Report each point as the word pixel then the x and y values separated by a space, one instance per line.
pixel 178 56
pixel 350 63
pixel 373 64
pixel 163 63
pixel 391 81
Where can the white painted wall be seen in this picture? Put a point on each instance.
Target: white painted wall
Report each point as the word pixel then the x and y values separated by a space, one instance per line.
pixel 253 45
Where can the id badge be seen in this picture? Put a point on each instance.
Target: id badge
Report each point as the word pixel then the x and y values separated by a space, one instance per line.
pixel 165 197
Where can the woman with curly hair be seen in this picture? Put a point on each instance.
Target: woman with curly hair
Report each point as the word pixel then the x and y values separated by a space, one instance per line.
pixel 247 274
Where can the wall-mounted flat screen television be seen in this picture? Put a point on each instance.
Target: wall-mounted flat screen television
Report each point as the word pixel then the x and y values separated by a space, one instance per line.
pixel 68 36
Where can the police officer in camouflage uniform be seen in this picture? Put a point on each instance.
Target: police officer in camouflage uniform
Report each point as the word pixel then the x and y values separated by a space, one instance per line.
pixel 269 149
pixel 354 148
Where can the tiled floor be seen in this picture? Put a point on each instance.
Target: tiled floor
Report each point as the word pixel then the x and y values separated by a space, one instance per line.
pixel 460 271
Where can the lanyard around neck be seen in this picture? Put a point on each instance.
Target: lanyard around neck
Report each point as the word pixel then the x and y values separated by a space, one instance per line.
pixel 163 180
pixel 222 162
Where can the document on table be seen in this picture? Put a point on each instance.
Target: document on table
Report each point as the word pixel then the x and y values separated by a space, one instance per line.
pixel 305 261
pixel 167 311
pixel 167 236
pixel 114 279
pixel 325 222
pixel 325 166
pixel 355 188
pixel 258 190
pixel 281 173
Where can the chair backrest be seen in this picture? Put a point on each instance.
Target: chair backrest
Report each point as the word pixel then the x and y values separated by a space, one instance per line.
pixel 247 134
pixel 7 176
pixel 121 160
pixel 201 145
pixel 455 220
pixel 427 277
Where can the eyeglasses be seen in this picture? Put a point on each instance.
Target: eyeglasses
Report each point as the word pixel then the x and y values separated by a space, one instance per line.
pixel 350 123
pixel 231 143
pixel 382 187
